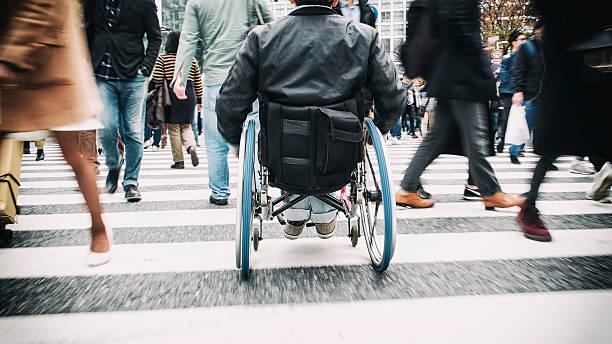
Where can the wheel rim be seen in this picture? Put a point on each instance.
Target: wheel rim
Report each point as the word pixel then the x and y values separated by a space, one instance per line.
pixel 380 252
pixel 247 199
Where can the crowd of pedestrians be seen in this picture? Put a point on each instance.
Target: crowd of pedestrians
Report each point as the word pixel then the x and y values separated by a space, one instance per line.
pixel 78 83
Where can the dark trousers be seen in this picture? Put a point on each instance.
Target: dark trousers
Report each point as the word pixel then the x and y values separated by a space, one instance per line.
pixel 472 121
pixel 544 164
pixel 502 120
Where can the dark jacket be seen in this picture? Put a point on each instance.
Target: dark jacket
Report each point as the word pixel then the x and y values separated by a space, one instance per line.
pixel 505 76
pixel 330 64
pixel 125 39
pixel 367 13
pixel 460 70
pixel 572 92
pixel 528 69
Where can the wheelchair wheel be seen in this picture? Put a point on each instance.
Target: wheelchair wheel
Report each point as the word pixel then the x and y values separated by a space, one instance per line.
pixel 245 199
pixel 379 233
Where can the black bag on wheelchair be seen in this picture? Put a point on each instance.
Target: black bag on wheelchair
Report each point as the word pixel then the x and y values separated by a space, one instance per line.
pixel 310 150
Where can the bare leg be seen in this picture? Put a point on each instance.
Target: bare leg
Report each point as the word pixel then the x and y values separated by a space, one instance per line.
pixel 85 175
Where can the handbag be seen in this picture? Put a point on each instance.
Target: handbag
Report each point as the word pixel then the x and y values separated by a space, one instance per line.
pixel 517 131
pixel 158 100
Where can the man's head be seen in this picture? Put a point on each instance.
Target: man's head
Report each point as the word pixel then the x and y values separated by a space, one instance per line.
pixel 329 3
pixel 515 39
pixel 172 42
pixel 538 30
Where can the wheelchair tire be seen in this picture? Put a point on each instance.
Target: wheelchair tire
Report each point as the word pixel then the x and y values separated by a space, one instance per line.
pixel 380 258
pixel 245 205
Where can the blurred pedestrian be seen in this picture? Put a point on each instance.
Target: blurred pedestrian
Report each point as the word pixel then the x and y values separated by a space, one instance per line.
pixel 576 89
pixel 222 27
pixel 180 115
pixel 462 82
pixel 506 91
pixel 46 84
pixel 121 65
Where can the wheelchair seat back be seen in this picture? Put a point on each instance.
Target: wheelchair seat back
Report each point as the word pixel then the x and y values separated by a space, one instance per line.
pixel 310 150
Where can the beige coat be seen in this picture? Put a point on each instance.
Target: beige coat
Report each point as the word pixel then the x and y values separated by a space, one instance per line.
pixel 44 42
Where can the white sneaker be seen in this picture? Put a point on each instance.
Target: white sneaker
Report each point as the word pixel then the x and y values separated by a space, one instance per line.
pixel 581 167
pixel 95 258
pixel 154 148
pixel 147 144
pixel 602 181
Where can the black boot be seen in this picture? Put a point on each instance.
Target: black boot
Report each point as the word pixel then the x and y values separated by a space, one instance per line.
pixel 514 159
pixel 26 147
pixel 40 155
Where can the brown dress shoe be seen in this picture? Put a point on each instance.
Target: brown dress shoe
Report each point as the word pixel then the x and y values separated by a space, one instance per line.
pixel 412 200
pixel 502 200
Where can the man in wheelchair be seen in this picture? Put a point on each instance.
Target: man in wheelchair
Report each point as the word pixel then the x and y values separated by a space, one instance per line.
pixel 308 70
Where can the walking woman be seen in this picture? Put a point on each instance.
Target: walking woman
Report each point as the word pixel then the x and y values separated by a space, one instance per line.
pixel 180 115
pixel 46 83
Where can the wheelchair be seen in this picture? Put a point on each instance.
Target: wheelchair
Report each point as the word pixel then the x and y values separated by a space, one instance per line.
pixel 368 193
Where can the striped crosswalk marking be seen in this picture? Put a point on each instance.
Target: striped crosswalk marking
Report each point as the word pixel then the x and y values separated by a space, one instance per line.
pixel 460 274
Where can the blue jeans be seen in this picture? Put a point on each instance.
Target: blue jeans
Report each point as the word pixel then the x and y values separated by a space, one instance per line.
pixel 397 130
pixel 194 126
pixel 530 113
pixel 123 102
pixel 310 208
pixel 216 146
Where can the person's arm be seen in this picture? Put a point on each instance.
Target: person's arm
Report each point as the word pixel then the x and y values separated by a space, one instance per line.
pixel 158 71
pixel 190 36
pixel 197 80
pixel 154 38
pixel 389 96
pixel 29 32
pixel 267 15
pixel 460 24
pixel 518 72
pixel 239 91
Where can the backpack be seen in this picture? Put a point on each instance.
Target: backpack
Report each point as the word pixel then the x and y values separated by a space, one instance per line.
pixel 421 39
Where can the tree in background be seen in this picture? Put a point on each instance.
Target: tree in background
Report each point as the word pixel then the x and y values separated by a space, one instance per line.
pixel 500 17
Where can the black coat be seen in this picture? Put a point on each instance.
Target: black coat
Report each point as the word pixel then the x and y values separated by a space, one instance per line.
pixel 279 61
pixel 125 39
pixel 573 92
pixel 528 69
pixel 367 14
pixel 460 70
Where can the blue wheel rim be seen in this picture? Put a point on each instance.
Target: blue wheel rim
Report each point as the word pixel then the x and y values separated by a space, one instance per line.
pixel 386 191
pixel 247 204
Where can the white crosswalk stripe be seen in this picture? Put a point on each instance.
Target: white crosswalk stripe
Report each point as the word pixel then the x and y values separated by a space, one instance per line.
pixel 459 274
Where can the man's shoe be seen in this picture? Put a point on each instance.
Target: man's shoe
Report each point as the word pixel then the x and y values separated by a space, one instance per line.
pixel 501 200
pixel 412 200
pixel 602 181
pixel 415 136
pixel 581 167
pixel 532 226
pixel 40 155
pixel 424 194
pixel 500 147
pixel 471 194
pixel 514 159
pixel 132 194
pixel 179 165
pixel 215 201
pixel 194 156
pixel 326 230
pixel 112 179
pixel 553 167
pixel 521 155
pixel 147 144
pixel 293 229
pixel 26 148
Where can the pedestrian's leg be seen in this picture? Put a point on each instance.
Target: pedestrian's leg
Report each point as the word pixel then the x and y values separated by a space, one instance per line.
pixel 529 217
pixel 174 131
pixel 397 130
pixel 110 120
pixel 131 103
pixel 189 142
pixel 40 151
pixel 40 144
pixel 216 147
pixel 538 178
pixel 84 172
pixel 194 126
pixel 473 121
pixel 157 134
pixel 89 151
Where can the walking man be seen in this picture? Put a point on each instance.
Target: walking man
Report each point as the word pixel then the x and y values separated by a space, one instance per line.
pixel 222 26
pixel 115 30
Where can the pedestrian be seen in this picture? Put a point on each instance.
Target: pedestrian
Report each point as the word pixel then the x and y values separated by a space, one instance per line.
pixel 515 39
pixel 180 114
pixel 222 34
pixel 357 10
pixel 575 90
pixel 121 66
pixel 258 70
pixel 46 83
pixel 462 82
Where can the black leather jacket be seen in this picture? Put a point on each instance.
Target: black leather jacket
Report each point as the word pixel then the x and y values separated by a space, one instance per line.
pixel 310 57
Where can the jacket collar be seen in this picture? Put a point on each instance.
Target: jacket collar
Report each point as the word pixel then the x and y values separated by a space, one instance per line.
pixel 309 10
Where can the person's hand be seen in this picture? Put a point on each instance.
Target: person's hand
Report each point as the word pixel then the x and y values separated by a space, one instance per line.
pixel 7 76
pixel 179 89
pixel 518 98
pixel 199 107
pixel 139 71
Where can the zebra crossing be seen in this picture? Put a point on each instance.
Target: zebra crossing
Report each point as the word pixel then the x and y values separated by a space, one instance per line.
pixel 460 274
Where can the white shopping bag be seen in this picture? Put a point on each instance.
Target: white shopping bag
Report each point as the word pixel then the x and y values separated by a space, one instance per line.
pixel 517 131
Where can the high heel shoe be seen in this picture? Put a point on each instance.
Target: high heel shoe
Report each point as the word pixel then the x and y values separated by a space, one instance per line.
pixel 95 258
pixel 502 200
